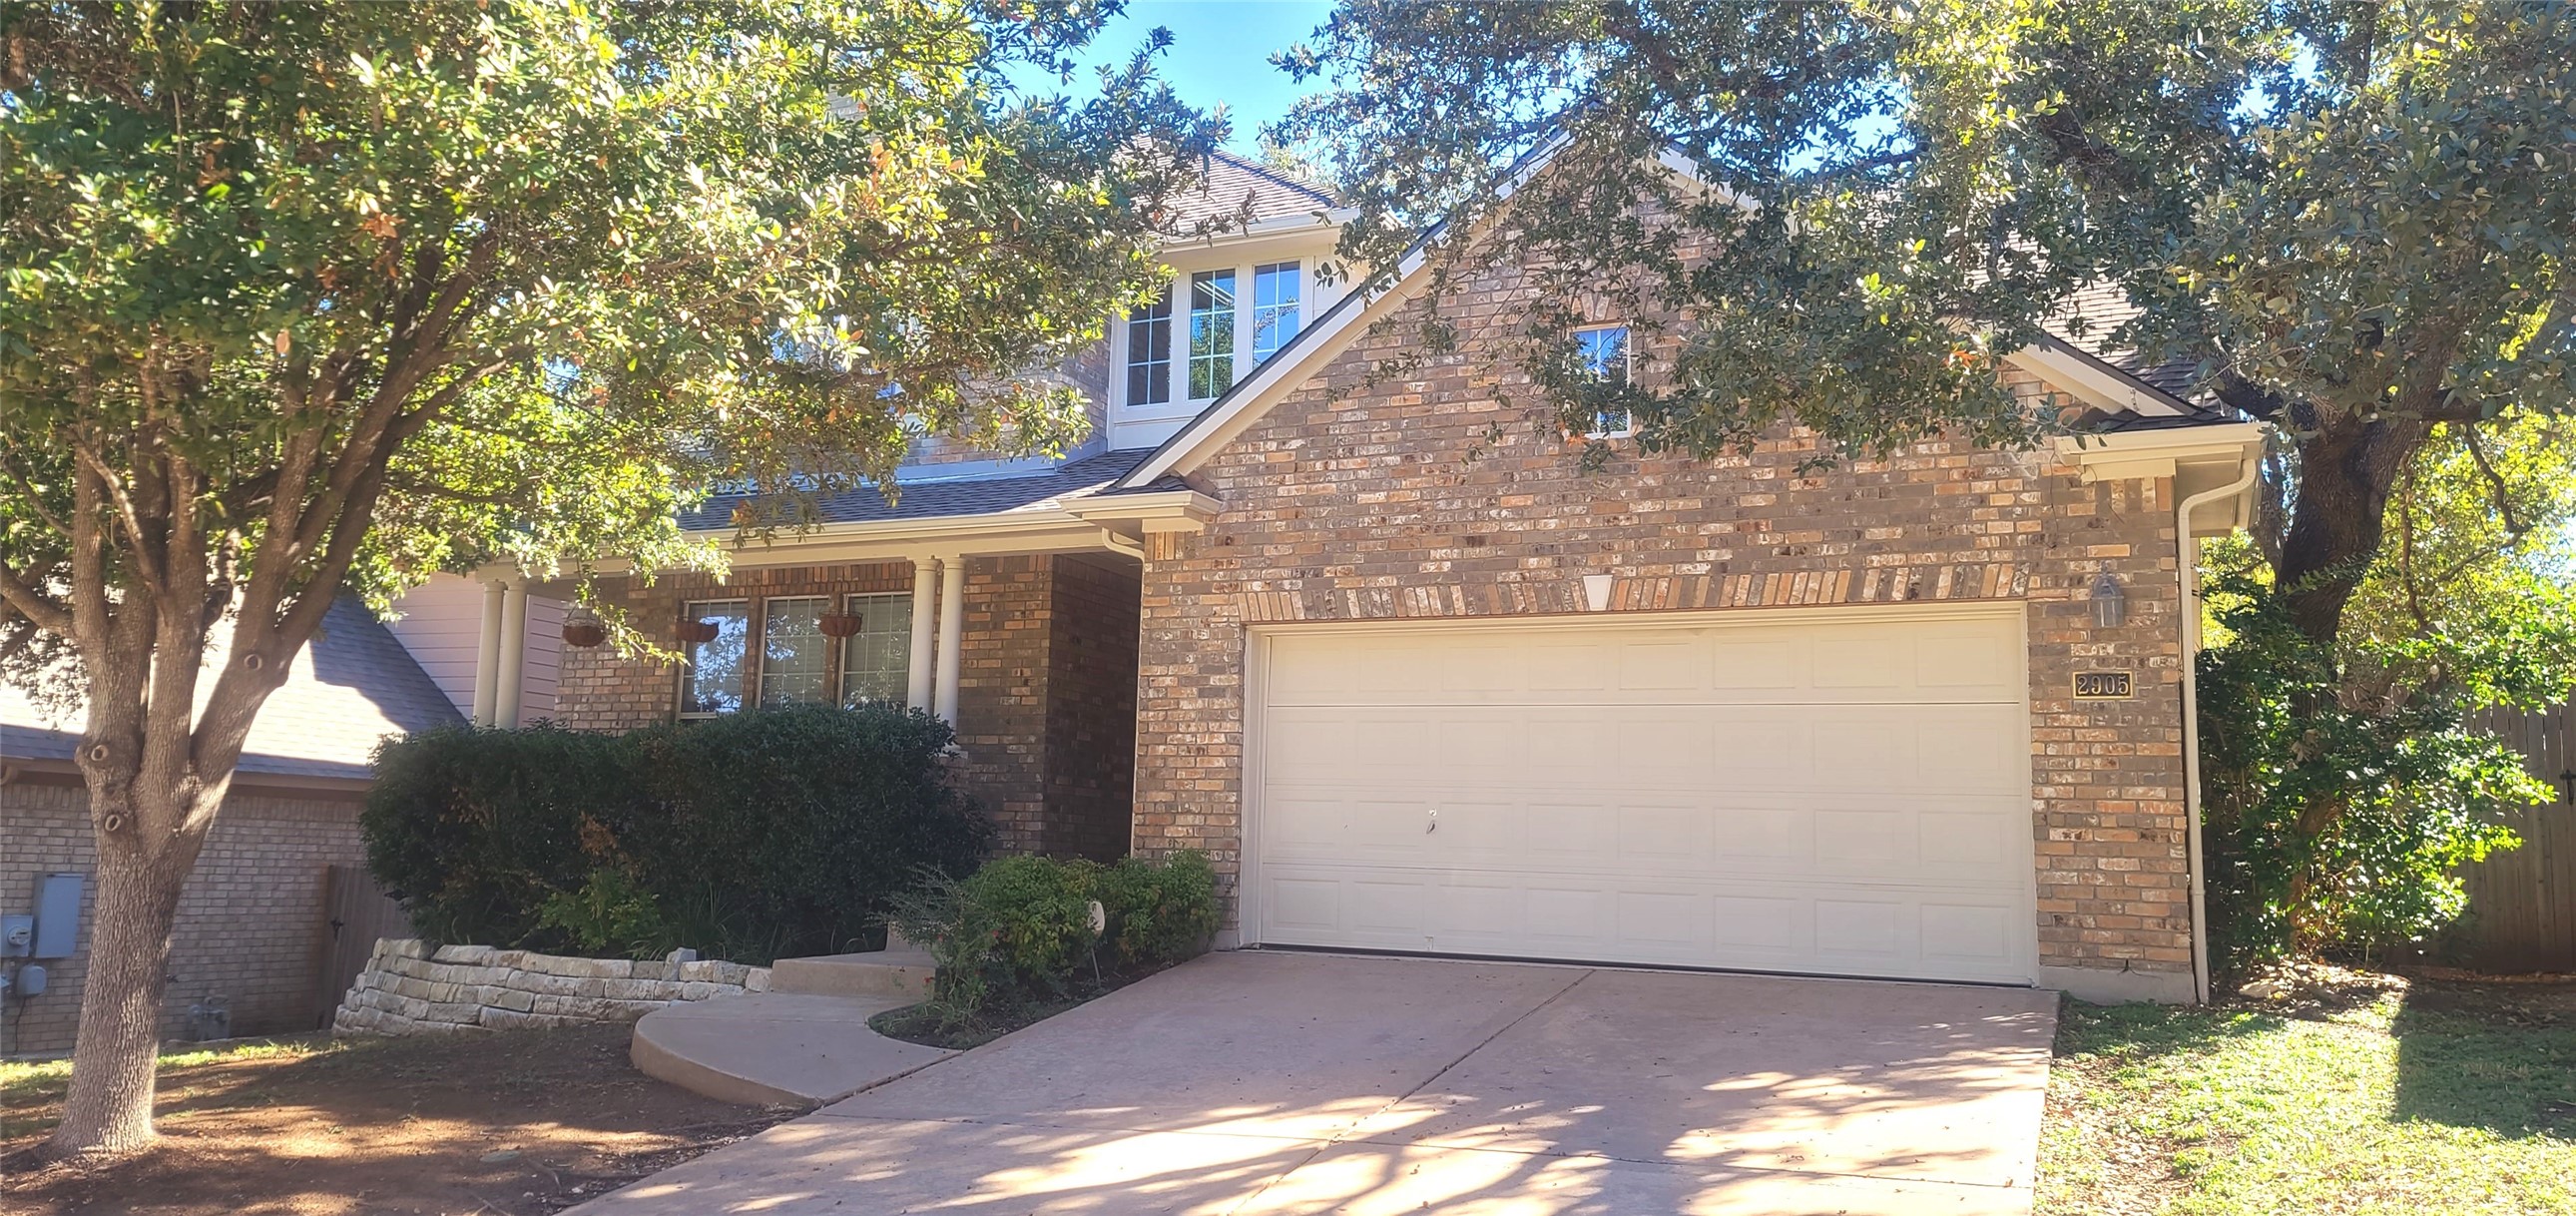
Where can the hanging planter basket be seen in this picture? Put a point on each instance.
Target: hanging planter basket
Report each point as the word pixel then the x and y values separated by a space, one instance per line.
pixel 698 632
pixel 584 634
pixel 838 625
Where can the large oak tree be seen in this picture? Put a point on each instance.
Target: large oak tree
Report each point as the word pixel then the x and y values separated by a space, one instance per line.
pixel 303 299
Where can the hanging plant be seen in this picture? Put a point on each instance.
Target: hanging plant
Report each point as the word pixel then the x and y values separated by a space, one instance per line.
pixel 697 632
pixel 840 624
pixel 584 632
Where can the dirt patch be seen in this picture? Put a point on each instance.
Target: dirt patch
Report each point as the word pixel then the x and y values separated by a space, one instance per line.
pixel 514 1123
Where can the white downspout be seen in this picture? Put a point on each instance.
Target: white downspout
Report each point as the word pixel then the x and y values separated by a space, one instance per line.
pixel 2187 553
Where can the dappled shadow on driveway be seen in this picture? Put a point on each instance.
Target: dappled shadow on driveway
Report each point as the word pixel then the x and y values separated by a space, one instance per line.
pixel 1255 1087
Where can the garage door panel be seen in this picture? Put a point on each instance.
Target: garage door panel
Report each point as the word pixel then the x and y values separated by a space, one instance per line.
pixel 1793 793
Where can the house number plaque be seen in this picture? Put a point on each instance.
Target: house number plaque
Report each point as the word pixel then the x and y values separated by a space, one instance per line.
pixel 2104 685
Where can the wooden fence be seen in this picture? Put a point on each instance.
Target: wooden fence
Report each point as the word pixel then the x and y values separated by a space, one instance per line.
pixel 355 912
pixel 2522 903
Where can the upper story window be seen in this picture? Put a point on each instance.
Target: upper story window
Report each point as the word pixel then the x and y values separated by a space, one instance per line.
pixel 1212 322
pixel 1275 291
pixel 714 681
pixel 1603 351
pixel 1149 353
pixel 1229 321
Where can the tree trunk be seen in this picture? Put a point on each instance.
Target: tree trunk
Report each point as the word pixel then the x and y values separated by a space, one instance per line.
pixel 109 1108
pixel 2346 473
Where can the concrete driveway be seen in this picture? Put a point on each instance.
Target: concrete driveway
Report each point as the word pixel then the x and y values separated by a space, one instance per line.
pixel 1249 1084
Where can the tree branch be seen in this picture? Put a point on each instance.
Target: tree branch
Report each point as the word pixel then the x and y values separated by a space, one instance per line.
pixel 2513 523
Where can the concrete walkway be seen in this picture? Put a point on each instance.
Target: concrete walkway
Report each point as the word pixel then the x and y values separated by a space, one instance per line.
pixel 1249 1084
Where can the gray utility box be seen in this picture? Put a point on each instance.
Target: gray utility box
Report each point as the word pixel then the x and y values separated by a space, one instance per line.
pixel 58 912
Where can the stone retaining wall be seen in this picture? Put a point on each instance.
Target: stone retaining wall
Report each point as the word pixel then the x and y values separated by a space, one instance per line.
pixel 411 988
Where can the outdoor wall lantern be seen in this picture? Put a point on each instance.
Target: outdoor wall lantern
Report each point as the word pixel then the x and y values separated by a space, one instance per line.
pixel 2110 604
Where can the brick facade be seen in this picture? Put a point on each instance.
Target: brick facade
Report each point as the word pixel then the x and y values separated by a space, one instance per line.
pixel 249 922
pixel 1427 497
pixel 1046 684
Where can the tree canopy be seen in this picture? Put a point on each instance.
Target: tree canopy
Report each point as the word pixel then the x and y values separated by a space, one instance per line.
pixel 2352 218
pixel 301 298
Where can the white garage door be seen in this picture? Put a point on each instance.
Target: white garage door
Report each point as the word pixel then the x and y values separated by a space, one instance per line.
pixel 1815 792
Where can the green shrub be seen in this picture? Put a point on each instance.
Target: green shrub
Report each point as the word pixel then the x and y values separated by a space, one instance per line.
pixel 1019 930
pixel 2334 820
pixel 1159 912
pixel 752 836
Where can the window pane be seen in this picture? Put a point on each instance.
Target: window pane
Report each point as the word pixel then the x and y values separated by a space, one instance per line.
pixel 792 651
pixel 1604 352
pixel 714 681
pixel 1149 353
pixel 1211 333
pixel 876 662
pixel 1275 290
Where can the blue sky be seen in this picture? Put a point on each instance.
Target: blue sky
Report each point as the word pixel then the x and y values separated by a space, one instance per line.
pixel 1220 54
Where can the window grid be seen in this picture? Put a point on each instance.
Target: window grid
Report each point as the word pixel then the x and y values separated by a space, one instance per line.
pixel 1211 334
pixel 1149 352
pixel 713 681
pixel 1275 291
pixel 794 657
pixel 1607 359
pixel 876 662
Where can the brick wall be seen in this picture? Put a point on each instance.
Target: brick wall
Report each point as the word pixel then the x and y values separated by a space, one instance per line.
pixel 1091 707
pixel 1002 692
pixel 249 921
pixel 1428 497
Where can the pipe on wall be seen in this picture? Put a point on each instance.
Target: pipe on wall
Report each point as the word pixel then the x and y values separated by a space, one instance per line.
pixel 2187 553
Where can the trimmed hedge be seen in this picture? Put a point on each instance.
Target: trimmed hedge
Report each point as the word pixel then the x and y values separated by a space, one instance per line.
pixel 759 835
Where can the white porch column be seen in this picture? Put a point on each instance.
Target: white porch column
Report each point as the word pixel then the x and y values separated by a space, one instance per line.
pixel 514 654
pixel 952 628
pixel 487 659
pixel 925 588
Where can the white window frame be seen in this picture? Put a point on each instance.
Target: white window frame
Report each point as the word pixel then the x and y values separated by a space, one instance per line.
pixel 1170 303
pixel 747 685
pixel 1627 373
pixel 760 651
pixel 1257 312
pixel 1180 404
pixel 862 603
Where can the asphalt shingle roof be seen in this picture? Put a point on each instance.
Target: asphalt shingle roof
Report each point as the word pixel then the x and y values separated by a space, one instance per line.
pixel 352 687
pixel 1082 478
pixel 1230 187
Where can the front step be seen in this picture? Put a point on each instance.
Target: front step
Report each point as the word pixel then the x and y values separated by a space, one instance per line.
pixel 774 1049
pixel 902 976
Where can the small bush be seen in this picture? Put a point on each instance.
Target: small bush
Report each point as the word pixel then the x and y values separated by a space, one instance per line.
pixel 753 836
pixel 1018 932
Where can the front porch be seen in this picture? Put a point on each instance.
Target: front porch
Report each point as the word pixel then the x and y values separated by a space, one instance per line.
pixel 1009 607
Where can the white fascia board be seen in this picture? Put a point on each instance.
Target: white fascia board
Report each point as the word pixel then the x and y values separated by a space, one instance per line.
pixel 1163 511
pixel 2094 383
pixel 2197 458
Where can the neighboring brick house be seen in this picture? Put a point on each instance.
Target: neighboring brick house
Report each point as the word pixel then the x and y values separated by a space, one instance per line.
pixel 251 921
pixel 1418 680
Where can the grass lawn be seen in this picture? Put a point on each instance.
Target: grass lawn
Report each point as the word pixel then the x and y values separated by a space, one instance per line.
pixel 518 1123
pixel 2434 1099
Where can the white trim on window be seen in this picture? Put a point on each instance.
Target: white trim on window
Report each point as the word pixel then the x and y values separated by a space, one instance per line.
pixel 1600 366
pixel 1170 327
pixel 795 659
pixel 733 635
pixel 884 640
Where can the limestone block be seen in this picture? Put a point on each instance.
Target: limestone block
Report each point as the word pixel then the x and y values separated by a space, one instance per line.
pixel 727 973
pixel 699 990
pixel 636 990
pixel 757 980
pixel 464 954
pixel 588 1008
pixel 513 1000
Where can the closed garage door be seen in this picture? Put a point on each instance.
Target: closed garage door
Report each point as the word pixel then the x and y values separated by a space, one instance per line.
pixel 1824 792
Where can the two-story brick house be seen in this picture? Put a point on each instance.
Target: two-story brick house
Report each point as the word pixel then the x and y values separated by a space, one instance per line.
pixel 1420 681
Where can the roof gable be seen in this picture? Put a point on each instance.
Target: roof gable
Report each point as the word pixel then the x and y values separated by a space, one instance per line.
pixel 2114 391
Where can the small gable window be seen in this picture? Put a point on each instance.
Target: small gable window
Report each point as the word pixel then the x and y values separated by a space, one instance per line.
pixel 1275 289
pixel 1602 351
pixel 1211 334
